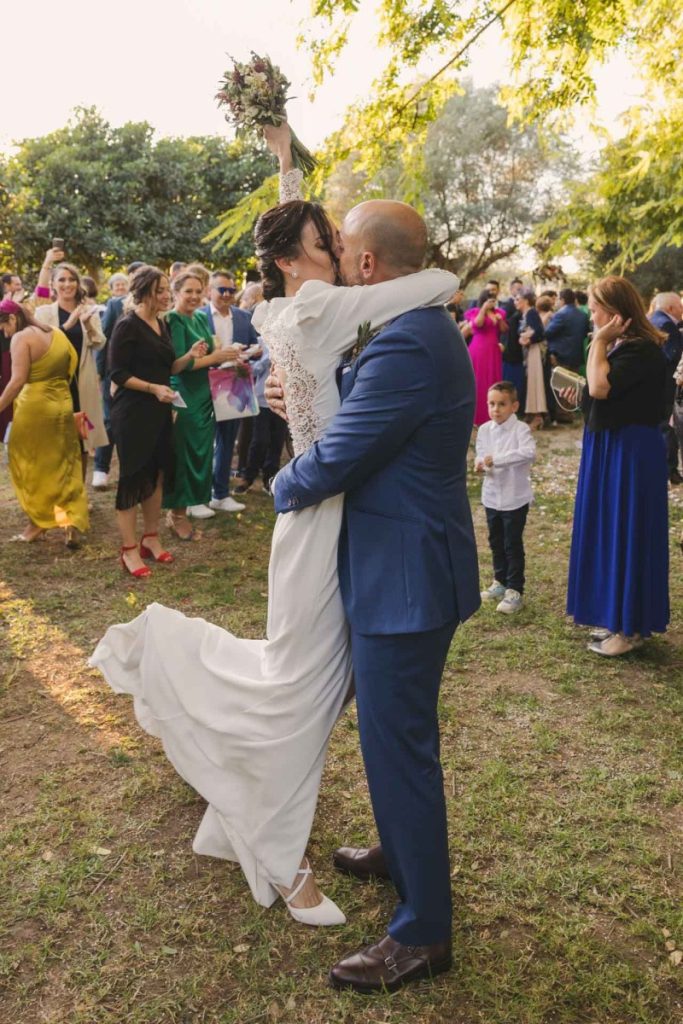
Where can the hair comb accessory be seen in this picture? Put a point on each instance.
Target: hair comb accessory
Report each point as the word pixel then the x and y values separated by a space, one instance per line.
pixel 9 306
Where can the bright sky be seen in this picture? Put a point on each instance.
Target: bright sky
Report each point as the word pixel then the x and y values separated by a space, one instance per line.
pixel 161 60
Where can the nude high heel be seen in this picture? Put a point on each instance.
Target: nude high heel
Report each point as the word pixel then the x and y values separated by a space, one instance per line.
pixel 326 913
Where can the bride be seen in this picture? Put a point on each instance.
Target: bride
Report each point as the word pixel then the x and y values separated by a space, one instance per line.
pixel 247 722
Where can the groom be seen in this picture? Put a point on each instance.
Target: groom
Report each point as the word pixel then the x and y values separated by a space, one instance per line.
pixel 408 575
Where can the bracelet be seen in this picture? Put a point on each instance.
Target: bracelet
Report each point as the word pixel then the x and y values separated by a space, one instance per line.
pixel 42 292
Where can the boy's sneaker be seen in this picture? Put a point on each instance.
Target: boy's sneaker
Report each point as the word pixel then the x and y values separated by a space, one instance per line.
pixel 494 592
pixel 511 603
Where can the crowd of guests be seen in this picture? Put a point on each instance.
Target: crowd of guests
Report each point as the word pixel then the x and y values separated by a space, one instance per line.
pixel 629 385
pixel 133 374
pixel 136 379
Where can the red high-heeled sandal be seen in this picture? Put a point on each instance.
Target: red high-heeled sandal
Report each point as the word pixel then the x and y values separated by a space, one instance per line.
pixel 164 556
pixel 140 574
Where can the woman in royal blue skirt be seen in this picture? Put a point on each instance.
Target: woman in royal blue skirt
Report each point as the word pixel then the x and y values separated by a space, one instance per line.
pixel 619 561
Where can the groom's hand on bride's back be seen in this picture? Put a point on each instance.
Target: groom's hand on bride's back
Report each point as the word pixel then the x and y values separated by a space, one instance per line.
pixel 275 396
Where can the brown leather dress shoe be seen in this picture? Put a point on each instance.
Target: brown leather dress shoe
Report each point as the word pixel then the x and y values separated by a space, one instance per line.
pixel 363 864
pixel 387 966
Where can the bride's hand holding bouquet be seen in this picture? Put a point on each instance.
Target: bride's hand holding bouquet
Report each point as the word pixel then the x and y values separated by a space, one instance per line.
pixel 255 95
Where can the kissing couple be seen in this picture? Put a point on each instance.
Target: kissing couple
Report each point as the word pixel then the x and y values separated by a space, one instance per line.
pixel 373 565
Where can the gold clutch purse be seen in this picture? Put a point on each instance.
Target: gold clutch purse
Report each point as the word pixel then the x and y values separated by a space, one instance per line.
pixel 561 378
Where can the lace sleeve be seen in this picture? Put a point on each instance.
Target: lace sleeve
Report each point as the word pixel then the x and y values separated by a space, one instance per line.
pixel 290 185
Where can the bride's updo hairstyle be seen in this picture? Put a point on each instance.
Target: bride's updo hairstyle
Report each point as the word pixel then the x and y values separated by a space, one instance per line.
pixel 278 236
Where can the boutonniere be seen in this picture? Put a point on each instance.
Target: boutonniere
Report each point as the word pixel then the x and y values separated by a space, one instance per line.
pixel 366 332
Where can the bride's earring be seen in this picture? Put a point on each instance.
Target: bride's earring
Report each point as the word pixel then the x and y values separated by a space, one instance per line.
pixel 294 273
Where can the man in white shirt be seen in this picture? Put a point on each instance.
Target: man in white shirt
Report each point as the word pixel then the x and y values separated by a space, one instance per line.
pixel 231 327
pixel 505 450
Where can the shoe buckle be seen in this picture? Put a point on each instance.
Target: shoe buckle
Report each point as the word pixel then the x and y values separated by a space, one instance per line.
pixel 390 963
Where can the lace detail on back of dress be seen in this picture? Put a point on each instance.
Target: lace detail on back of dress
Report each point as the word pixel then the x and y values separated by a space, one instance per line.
pixel 301 386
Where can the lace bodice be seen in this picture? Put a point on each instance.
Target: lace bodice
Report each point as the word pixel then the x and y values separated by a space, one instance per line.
pixel 300 385
pixel 291 185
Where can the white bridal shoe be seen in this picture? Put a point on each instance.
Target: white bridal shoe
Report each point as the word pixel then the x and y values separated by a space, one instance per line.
pixel 324 915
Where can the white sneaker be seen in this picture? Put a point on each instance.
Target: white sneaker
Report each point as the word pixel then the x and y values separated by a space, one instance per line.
pixel 226 505
pixel 511 603
pixel 494 592
pixel 200 512
pixel 100 480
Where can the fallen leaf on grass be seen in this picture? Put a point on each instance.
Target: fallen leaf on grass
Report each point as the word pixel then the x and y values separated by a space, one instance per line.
pixel 676 957
pixel 243 947
pixel 669 945
pixel 131 599
pixel 666 933
pixel 168 951
pixel 100 851
pixel 47 856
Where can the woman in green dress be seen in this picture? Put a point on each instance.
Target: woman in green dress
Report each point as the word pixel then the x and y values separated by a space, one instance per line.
pixel 194 425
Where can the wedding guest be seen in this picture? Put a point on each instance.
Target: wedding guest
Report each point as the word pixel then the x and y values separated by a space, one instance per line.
pixel 618 567
pixel 195 422
pixel 5 374
pixel 513 356
pixel 267 438
pixel 251 295
pixel 234 334
pixel 487 322
pixel 667 316
pixel 566 334
pixel 6 284
pixel 505 450
pixel 118 286
pixel 531 334
pixel 140 363
pixel 44 448
pixel 545 307
pixel 176 268
pixel 74 314
pixel 516 285
pixel 678 404
pixel 204 275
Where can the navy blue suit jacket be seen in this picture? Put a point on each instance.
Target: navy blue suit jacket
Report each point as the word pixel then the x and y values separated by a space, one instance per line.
pixel 566 334
pixel 397 449
pixel 673 346
pixel 243 331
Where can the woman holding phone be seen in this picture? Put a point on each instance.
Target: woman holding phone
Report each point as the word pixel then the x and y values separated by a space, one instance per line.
pixel 487 322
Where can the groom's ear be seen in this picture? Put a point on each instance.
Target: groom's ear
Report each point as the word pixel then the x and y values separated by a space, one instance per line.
pixel 367 266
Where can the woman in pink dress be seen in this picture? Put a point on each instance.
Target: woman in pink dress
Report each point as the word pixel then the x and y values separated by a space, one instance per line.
pixel 487 322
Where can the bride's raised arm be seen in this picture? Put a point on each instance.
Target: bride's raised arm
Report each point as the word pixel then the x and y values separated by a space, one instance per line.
pixel 329 317
pixel 279 142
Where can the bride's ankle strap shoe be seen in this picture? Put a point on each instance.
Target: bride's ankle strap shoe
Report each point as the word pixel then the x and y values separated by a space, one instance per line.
pixel 325 914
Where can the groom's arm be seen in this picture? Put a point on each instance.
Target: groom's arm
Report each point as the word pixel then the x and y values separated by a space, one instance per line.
pixel 391 396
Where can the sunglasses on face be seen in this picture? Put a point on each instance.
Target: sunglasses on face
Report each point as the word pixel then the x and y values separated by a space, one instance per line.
pixel 226 291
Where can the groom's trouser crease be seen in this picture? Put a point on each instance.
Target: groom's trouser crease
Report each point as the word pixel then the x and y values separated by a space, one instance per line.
pixel 397 689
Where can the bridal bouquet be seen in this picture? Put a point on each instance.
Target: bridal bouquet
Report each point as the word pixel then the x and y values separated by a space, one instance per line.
pixel 255 94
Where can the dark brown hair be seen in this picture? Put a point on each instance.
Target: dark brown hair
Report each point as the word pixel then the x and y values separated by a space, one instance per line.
pixel 618 296
pixel 278 236
pixel 144 284
pixel 24 319
pixel 507 387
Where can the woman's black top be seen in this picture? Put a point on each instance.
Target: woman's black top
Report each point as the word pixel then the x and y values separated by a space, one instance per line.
pixel 142 426
pixel 637 378
pixel 75 336
pixel 532 319
pixel 514 353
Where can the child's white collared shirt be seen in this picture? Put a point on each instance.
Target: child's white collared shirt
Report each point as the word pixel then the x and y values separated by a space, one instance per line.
pixel 507 484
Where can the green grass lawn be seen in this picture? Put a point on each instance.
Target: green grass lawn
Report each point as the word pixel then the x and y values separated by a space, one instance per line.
pixel 564 780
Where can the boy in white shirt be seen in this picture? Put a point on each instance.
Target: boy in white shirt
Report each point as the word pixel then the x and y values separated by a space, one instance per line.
pixel 505 450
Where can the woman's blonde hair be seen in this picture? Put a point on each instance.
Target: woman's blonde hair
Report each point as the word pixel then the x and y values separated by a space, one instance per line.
pixel 185 276
pixel 618 296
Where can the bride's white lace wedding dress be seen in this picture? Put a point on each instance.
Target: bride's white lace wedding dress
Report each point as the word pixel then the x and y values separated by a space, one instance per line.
pixel 247 722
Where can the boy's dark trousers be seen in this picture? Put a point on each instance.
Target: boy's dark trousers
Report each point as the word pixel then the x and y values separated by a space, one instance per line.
pixel 506 539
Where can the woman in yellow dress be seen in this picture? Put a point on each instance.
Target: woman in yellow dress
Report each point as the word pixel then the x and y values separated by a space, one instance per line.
pixel 44 445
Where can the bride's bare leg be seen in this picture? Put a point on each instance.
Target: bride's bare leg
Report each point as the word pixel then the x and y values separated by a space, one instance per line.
pixel 309 895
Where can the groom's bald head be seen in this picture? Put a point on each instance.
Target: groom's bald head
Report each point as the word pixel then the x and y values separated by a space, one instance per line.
pixel 381 240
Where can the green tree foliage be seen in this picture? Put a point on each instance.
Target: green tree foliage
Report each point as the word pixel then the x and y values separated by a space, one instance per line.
pixel 486 183
pixel 553 50
pixel 117 194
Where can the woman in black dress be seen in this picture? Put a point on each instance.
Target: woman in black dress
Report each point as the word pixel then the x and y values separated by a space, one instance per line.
pixel 140 363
